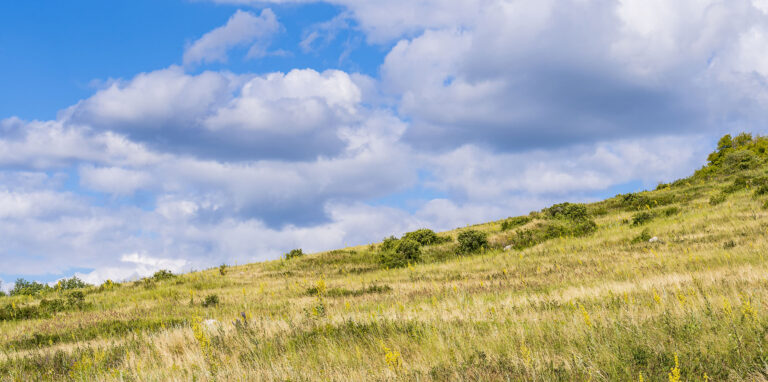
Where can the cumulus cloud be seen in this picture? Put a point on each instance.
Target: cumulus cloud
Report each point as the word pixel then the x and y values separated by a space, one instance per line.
pixel 242 29
pixel 499 107
pixel 294 115
pixel 113 180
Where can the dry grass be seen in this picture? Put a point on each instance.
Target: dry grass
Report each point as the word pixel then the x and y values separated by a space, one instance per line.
pixel 588 308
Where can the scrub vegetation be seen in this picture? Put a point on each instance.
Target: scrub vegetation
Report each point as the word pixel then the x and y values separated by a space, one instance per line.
pixel 669 284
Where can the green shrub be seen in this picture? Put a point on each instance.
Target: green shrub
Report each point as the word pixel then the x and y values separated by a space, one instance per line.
pixel 211 300
pixel 294 253
pixel 671 211
pixel 765 205
pixel 717 199
pixel 641 218
pixel 514 222
pixel 471 241
pixel 552 229
pixel 388 244
pixel 740 160
pixel 163 274
pixel 634 201
pixel 425 236
pixel 72 283
pixel 223 269
pixel 643 237
pixel 406 251
pixel 567 211
pixel 762 190
pixel 28 288
pixel 76 299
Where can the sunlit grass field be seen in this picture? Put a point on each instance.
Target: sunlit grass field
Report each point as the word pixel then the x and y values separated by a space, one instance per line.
pixel 603 306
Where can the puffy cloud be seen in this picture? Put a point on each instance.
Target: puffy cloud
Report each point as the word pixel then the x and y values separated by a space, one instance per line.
pixel 133 266
pixel 573 98
pixel 113 180
pixel 242 29
pixel 294 115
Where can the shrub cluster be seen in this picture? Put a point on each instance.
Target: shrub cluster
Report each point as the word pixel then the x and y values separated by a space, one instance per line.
pixel 425 236
pixel 565 219
pixel 472 241
pixel 395 252
pixel 514 222
pixel 211 300
pixel 46 308
pixel 644 236
pixel 28 288
pixel 294 253
pixel 717 198
pixel 163 274
pixel 642 217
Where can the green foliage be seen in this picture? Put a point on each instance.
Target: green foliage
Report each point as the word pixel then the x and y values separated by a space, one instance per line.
pixel 28 288
pixel 223 269
pixel 46 308
pixel 406 251
pixel 717 198
pixel 294 253
pixel 72 283
pixel 669 211
pixel 425 236
pixel 643 237
pixel 163 274
pixel 342 292
pixel 552 229
pixel 641 218
pixel 471 241
pixel 568 211
pixel 211 300
pixel 760 191
pixel 514 222
pixel 388 244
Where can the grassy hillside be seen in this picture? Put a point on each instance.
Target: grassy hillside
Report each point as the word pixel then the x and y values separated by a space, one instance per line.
pixel 581 292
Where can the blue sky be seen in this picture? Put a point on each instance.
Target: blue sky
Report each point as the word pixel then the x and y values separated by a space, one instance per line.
pixel 141 135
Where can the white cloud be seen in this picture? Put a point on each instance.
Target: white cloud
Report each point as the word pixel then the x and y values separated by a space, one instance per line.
pixel 114 180
pixel 242 29
pixel 133 266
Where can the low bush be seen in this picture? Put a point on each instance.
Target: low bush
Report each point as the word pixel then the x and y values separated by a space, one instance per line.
pixel 294 253
pixel 28 288
pixel 163 274
pixel 211 300
pixel 471 241
pixel 643 237
pixel 669 211
pixel 568 211
pixel 223 269
pixel 425 236
pixel 641 218
pixel 717 198
pixel 552 229
pixel 72 283
pixel 514 222
pixel 406 251
pixel 760 191
pixel 388 244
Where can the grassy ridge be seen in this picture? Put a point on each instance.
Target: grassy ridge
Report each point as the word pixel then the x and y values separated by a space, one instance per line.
pixel 569 300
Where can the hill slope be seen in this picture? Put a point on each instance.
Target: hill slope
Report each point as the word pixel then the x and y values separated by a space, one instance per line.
pixel 581 292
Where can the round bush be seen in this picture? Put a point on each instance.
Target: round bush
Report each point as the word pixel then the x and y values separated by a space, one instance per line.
pixel 472 241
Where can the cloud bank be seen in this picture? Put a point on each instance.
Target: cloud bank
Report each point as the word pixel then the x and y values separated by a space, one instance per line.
pixel 481 110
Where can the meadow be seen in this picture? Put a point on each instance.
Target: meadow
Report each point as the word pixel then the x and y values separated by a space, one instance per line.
pixel 669 284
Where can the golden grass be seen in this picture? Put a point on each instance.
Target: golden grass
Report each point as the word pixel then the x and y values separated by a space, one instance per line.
pixel 590 308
